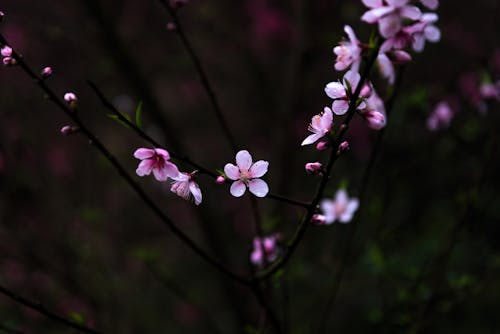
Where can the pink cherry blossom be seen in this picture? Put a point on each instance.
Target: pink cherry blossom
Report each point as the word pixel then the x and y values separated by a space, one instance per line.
pixel 247 174
pixel 441 117
pixel 341 92
pixel 348 52
pixel 340 209
pixel 155 160
pixel 374 114
pixel 185 186
pixel 389 15
pixel 425 30
pixel 6 51
pixel 314 168
pixel 431 4
pixel 320 125
pixel 264 250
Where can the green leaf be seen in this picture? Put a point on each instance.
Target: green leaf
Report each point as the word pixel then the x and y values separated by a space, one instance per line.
pixel 138 115
pixel 77 317
pixel 119 120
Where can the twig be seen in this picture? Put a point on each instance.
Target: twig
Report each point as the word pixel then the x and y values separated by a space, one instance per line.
pixel 42 310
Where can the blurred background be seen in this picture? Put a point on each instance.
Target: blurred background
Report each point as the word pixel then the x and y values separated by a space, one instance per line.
pixel 425 254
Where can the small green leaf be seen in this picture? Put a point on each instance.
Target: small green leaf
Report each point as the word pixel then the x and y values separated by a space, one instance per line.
pixel 77 317
pixel 119 120
pixel 138 115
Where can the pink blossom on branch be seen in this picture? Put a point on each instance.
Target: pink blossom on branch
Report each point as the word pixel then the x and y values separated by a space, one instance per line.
pixel 348 52
pixel 425 30
pixel 247 174
pixel 185 186
pixel 341 208
pixel 374 114
pixel 320 125
pixel 341 92
pixel 155 160
pixel 264 250
pixel 431 4
pixel 441 117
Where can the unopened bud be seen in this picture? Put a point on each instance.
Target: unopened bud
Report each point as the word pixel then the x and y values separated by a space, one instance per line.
pixel 47 72
pixel 314 168
pixel 322 145
pixel 171 27
pixel 220 179
pixel 344 146
pixel 6 51
pixel 9 61
pixel 69 129
pixel 374 119
pixel 71 99
pixel 400 57
pixel 366 91
pixel 2 16
pixel 318 219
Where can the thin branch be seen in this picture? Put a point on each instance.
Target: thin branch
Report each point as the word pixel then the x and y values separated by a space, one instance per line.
pixel 203 170
pixel 271 316
pixel 202 74
pixel 36 306
pixel 300 231
pixel 122 171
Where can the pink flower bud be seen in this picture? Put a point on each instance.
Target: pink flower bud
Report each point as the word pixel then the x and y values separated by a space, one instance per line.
pixel 322 145
pixel 171 27
pixel 71 99
pixel 318 219
pixel 220 180
pixel 344 146
pixel 2 16
pixel 6 51
pixel 400 57
pixel 314 168
pixel 68 130
pixel 374 119
pixel 9 61
pixel 47 72
pixel 366 91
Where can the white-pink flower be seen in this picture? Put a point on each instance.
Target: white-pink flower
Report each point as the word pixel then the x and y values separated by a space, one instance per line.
pixel 155 160
pixel 320 125
pixel 348 52
pixel 341 92
pixel 184 185
pixel 374 113
pixel 247 174
pixel 340 209
pixel 389 15
pixel 425 30
pixel 264 250
pixel 441 117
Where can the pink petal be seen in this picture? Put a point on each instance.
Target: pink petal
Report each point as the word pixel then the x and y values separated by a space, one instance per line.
pixel 432 33
pixel 418 42
pixel 353 78
pixel 350 33
pixel 411 12
pixel 386 68
pixel 259 168
pixel 312 138
pixel 328 208
pixel 144 153
pixel 258 187
pixel 162 153
pixel 372 3
pixel 238 188
pixel 243 160
pixel 232 171
pixel 144 167
pixel 171 169
pixel 341 197
pixel 160 174
pixel 431 4
pixel 397 3
pixel 196 191
pixel 376 14
pixel 335 90
pixel 389 25
pixel 340 107
pixel 326 119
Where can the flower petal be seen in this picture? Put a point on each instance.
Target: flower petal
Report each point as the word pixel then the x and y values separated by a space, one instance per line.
pixel 144 153
pixel 196 191
pixel 258 187
pixel 232 171
pixel 432 33
pixel 312 138
pixel 389 25
pixel 171 169
pixel 162 153
pixel 243 160
pixel 326 119
pixel 340 107
pixel 353 78
pixel 411 12
pixel 161 174
pixel 238 188
pixel 259 168
pixel 335 90
pixel 144 167
pixel 372 3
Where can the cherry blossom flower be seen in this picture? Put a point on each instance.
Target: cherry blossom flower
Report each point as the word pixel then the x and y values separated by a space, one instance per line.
pixel 341 92
pixel 320 125
pixel 47 72
pixel 389 16
pixel 431 4
pixel 247 174
pixel 348 52
pixel 340 209
pixel 374 114
pixel 6 51
pixel 155 160
pixel 441 117
pixel 425 30
pixel 264 250
pixel 185 186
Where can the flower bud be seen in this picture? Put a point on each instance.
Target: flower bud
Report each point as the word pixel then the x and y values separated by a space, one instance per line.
pixel 322 145
pixel 9 61
pixel 171 27
pixel 366 91
pixel 314 168
pixel 47 72
pixel 344 146
pixel 400 57
pixel 71 99
pixel 2 16
pixel 374 119
pixel 318 219
pixel 69 129
pixel 6 51
pixel 220 179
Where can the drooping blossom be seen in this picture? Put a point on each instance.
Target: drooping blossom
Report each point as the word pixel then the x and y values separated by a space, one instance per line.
pixel 247 174
pixel 441 117
pixel 387 60
pixel 341 208
pixel 431 4
pixel 320 125
pixel 389 15
pixel 341 92
pixel 374 113
pixel 348 52
pixel 425 30
pixel 155 160
pixel 184 186
pixel 265 250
